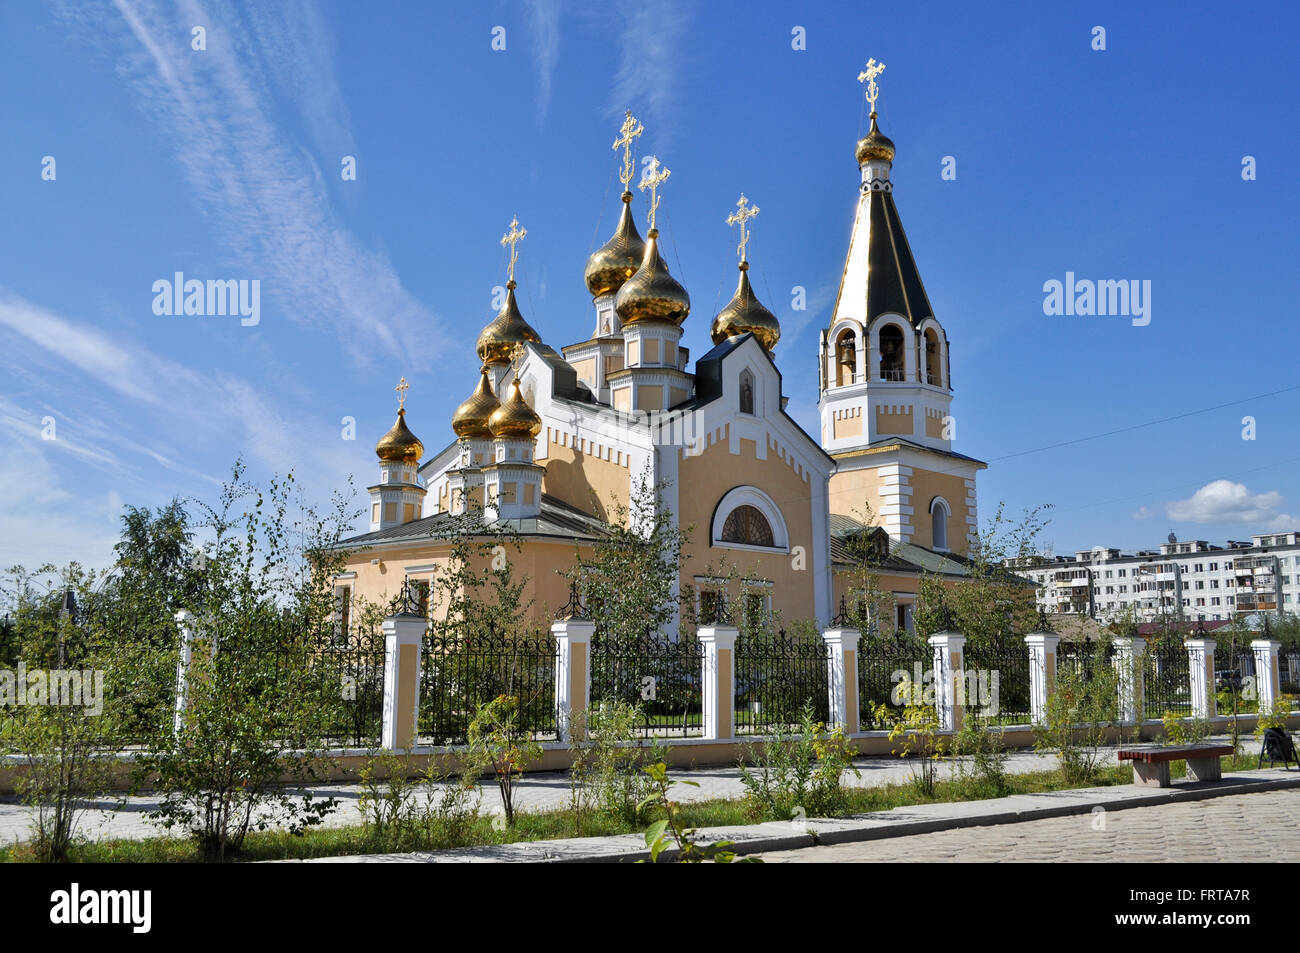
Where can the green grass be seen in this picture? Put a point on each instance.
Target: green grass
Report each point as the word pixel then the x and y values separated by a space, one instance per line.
pixel 550 825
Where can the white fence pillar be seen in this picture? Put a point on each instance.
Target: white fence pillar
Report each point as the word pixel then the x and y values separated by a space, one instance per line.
pixel 1267 680
pixel 1042 672
pixel 572 670
pixel 842 676
pixel 184 622
pixel 719 680
pixel 1130 651
pixel 949 649
pixel 1200 666
pixel 403 646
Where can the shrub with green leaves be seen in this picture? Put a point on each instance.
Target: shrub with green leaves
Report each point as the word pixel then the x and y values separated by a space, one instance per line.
pixel 1082 712
pixel 797 773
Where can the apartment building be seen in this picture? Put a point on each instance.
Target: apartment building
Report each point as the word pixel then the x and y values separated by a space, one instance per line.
pixel 1184 579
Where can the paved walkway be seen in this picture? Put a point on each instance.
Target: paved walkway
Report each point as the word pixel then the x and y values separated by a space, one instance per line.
pixel 1249 827
pixel 536 792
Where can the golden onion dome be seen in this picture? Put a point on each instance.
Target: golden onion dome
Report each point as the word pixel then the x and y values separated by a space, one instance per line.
pixel 875 145
pixel 471 417
pixel 618 259
pixel 652 294
pixel 497 341
pixel 515 418
pixel 745 314
pixel 399 444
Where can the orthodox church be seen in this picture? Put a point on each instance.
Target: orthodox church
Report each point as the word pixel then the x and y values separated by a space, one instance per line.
pixel 556 443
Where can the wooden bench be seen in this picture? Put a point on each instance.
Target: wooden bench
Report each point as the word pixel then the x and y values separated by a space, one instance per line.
pixel 1151 765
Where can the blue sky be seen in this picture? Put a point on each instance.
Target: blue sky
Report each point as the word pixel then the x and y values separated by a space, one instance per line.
pixel 225 163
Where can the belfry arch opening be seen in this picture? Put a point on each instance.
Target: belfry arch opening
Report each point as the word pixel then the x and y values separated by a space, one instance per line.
pixel 846 357
pixel 933 359
pixel 893 358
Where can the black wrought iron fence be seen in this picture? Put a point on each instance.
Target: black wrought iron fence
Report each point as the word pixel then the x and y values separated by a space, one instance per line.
pixel 107 662
pixel 1166 679
pixel 777 675
pixel 326 685
pixel 1234 669
pixel 659 675
pixel 996 680
pixel 1289 671
pixel 1081 658
pixel 885 670
pixel 462 673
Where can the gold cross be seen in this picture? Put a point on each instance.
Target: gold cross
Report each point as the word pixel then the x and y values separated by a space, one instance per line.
pixel 512 238
pixel 653 177
pixel 868 76
pixel 401 388
pixel 739 217
pixel 629 131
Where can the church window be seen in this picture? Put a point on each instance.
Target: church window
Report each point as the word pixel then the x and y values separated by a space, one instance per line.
pixel 939 514
pixel 746 391
pixel 746 525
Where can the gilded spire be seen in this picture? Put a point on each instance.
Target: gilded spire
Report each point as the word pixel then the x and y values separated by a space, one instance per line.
pixel 652 294
pixel 618 259
pixel 399 444
pixel 471 417
pixel 875 144
pixel 497 341
pixel 744 314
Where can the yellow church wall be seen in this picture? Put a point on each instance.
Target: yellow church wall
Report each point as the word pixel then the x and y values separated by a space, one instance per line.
pixel 650 397
pixel 586 369
pixel 537 560
pixel 934 426
pixel 926 485
pixel 894 423
pixel 704 479
pixel 573 476
pixel 651 351
pixel 851 491
pixel 847 426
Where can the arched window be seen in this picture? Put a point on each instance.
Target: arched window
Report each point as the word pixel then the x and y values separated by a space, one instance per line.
pixel 747 526
pixel 933 360
pixel 939 513
pixel 892 357
pixel 846 357
pixel 746 391
pixel 747 518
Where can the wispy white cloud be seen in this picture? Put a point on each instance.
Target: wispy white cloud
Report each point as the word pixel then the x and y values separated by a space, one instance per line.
pixel 650 49
pixel 544 25
pixel 265 196
pixel 1223 501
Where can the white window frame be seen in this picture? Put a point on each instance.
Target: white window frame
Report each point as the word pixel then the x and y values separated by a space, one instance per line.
pixel 751 496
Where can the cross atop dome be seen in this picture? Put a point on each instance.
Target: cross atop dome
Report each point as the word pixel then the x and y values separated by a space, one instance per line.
pixel 513 238
pixel 744 212
pixel 654 176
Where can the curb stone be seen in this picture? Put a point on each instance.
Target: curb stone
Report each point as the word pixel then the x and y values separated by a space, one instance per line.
pixel 898 822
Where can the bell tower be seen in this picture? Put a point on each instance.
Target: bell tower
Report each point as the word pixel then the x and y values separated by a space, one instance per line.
pixel 885 383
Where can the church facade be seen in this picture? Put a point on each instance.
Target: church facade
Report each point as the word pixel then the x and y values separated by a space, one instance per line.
pixel 555 444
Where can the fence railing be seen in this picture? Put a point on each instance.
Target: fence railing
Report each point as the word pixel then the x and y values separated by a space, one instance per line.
pixel 777 675
pixel 660 676
pixel 1166 679
pixel 882 668
pixel 997 684
pixel 462 673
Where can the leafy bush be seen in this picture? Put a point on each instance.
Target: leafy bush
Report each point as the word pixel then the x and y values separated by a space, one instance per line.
pixel 500 743
pixel 799 773
pixel 984 743
pixel 425 811
pixel 1082 712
